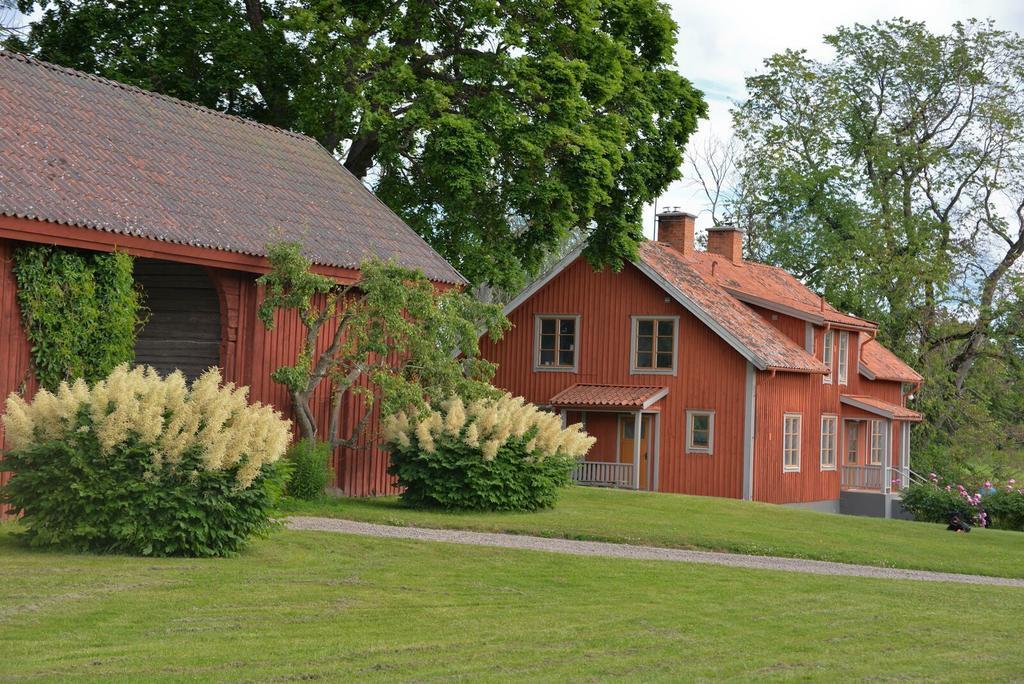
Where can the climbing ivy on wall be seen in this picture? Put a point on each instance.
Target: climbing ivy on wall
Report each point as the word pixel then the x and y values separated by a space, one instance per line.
pixel 81 311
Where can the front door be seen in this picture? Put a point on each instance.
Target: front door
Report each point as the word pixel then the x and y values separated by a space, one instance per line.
pixel 852 444
pixel 627 441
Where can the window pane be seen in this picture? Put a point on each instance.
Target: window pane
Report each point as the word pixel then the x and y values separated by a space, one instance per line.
pixel 567 326
pixel 645 328
pixel 644 344
pixel 665 328
pixel 547 326
pixel 565 342
pixel 547 341
pixel 565 358
pixel 700 422
pixel 665 344
pixel 664 360
pixel 547 357
pixel 627 429
pixel 643 360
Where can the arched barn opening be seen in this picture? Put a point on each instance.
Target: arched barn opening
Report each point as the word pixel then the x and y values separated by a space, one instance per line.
pixel 184 327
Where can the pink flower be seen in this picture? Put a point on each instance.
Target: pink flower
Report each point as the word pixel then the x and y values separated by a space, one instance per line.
pixel 948 488
pixel 1012 481
pixel 987 484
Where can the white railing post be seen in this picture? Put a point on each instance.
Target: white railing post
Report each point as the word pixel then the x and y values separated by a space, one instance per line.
pixel 636 450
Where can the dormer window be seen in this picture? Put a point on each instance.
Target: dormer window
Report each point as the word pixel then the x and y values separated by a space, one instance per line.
pixel 844 356
pixel 555 343
pixel 826 356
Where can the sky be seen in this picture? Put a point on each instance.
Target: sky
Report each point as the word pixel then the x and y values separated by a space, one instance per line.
pixel 723 41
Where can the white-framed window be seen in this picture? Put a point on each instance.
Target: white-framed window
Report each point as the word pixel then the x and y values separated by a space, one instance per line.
pixel 653 345
pixel 877 442
pixel 700 432
pixel 826 355
pixel 829 430
pixel 844 357
pixel 555 343
pixel 791 426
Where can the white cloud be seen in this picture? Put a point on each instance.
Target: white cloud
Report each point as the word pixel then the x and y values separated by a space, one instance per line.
pixel 723 42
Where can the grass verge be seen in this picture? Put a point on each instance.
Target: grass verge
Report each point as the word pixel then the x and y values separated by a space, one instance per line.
pixel 677 521
pixel 307 605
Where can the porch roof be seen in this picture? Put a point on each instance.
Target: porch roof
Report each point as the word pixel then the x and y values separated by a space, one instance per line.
pixel 585 396
pixel 880 408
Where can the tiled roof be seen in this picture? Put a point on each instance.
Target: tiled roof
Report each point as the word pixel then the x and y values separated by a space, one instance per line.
pixel 768 285
pixel 882 364
pixel 85 151
pixel 879 407
pixel 608 396
pixel 735 321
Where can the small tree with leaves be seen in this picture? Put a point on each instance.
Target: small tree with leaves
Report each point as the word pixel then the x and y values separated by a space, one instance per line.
pixel 408 339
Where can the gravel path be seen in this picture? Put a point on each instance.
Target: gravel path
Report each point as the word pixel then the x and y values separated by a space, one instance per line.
pixel 591 548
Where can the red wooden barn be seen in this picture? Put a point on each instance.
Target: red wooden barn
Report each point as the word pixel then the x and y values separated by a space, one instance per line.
pixel 195 195
pixel 702 373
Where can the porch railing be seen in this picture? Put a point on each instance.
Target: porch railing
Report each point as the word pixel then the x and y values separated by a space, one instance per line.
pixel 861 477
pixel 603 474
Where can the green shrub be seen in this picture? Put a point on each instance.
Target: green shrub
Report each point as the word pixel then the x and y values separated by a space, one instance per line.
pixel 309 469
pixel 931 503
pixel 990 505
pixel 1005 509
pixel 497 454
pixel 142 465
pixel 81 311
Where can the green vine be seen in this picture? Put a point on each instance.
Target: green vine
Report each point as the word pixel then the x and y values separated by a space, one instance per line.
pixel 81 311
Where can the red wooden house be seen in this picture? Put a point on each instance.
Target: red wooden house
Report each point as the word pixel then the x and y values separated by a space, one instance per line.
pixel 195 195
pixel 702 373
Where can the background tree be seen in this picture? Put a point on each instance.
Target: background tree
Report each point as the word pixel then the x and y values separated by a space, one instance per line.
pixel 391 339
pixel 494 128
pixel 11 22
pixel 890 178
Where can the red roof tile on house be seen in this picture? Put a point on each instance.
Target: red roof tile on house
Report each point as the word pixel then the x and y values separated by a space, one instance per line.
pixel 882 364
pixel 582 395
pixel 772 287
pixel 735 321
pixel 80 150
pixel 881 408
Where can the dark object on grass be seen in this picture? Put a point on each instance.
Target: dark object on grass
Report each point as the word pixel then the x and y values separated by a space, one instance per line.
pixel 956 524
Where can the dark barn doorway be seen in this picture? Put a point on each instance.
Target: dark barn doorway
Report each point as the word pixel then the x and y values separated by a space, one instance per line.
pixel 184 328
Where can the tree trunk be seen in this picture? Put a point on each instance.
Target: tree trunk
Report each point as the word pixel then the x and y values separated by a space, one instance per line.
pixel 361 154
pixel 304 415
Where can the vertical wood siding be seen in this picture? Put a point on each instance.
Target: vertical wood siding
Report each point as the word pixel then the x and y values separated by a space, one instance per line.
pixel 250 353
pixel 710 376
pixel 15 353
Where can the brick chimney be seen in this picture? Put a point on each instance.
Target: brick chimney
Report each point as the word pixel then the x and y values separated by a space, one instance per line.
pixel 726 241
pixel 675 228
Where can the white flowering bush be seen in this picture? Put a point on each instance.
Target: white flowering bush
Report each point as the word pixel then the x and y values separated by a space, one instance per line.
pixel 143 464
pixel 493 454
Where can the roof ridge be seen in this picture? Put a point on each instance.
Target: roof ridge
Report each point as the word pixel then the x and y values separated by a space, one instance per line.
pixel 32 60
pixel 786 274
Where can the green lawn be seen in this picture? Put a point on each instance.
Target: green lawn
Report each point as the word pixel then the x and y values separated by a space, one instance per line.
pixel 307 605
pixel 719 524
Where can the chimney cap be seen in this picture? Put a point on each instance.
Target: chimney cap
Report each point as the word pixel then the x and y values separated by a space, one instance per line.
pixel 675 211
pixel 725 228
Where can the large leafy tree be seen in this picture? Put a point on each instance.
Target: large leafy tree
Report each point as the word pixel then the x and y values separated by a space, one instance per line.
pixel 391 340
pixel 890 177
pixel 495 128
